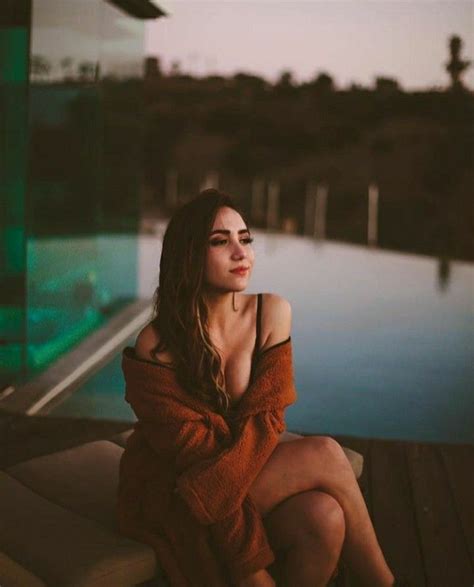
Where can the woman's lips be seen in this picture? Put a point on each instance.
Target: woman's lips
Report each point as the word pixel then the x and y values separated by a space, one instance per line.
pixel 239 272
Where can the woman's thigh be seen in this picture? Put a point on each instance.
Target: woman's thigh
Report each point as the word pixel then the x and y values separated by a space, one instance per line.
pixel 309 462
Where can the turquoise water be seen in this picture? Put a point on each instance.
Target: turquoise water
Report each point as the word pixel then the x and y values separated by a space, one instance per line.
pixel 383 342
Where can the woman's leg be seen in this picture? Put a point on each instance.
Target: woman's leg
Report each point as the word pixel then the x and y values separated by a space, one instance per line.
pixel 318 462
pixel 307 533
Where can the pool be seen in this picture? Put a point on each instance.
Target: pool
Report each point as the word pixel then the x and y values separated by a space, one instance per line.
pixel 383 341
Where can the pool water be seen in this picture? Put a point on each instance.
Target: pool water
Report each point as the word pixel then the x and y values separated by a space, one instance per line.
pixel 383 341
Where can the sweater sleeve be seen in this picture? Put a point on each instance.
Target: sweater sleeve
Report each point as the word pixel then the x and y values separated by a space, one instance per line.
pixel 214 487
pixel 239 536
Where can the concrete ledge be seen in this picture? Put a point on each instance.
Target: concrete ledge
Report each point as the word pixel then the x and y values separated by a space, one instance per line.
pixel 62 378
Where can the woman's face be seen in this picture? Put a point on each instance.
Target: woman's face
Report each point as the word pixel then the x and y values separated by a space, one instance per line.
pixel 229 248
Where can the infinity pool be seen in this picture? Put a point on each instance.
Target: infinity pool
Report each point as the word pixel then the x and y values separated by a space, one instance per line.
pixel 383 342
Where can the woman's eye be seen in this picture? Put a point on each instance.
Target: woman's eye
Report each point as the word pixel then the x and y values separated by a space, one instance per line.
pixel 245 241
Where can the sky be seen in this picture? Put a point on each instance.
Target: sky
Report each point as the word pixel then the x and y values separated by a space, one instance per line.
pixel 354 41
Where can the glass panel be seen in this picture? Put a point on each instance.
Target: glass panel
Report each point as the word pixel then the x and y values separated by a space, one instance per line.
pixel 82 137
pixel 65 145
pixel 14 35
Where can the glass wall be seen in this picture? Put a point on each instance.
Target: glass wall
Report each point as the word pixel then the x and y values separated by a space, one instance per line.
pixel 14 42
pixel 71 174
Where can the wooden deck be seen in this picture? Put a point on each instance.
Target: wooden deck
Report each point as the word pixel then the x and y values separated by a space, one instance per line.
pixel 420 496
pixel 421 501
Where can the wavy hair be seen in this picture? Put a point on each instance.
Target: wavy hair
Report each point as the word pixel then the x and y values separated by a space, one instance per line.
pixel 180 311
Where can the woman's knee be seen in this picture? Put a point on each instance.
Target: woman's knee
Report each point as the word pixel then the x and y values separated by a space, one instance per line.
pixel 312 462
pixel 325 517
pixel 331 452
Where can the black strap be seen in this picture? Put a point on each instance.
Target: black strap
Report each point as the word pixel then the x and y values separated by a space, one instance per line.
pixel 258 328
pixel 256 348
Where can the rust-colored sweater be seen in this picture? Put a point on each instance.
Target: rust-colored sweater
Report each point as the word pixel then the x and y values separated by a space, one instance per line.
pixel 186 471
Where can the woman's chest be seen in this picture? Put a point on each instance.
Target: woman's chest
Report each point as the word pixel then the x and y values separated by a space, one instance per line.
pixel 237 371
pixel 236 352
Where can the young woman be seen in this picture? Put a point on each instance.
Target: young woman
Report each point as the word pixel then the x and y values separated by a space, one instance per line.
pixel 204 326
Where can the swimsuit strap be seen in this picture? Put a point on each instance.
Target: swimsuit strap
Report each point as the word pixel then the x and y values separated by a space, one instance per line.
pixel 257 335
pixel 258 325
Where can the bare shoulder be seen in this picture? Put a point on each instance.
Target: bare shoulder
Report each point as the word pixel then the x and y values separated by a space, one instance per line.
pixel 276 319
pixel 146 341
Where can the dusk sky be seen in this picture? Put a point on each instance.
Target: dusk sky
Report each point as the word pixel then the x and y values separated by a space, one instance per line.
pixel 353 41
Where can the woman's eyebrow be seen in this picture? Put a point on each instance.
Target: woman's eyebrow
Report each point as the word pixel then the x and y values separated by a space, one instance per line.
pixel 224 231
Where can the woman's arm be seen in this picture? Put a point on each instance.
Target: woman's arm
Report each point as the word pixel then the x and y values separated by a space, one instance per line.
pixel 214 487
pixel 214 470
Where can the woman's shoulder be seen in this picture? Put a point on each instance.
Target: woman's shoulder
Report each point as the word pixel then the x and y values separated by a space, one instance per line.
pixel 275 319
pixel 275 324
pixel 147 340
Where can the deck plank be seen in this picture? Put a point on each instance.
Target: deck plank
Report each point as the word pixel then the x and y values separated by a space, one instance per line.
pixel 392 511
pixel 445 552
pixel 459 464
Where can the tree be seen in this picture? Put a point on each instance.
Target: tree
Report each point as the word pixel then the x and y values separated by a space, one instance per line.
pixel 285 80
pixel 386 85
pixel 175 68
pixel 456 66
pixel 323 83
pixel 86 70
pixel 40 66
pixel 66 66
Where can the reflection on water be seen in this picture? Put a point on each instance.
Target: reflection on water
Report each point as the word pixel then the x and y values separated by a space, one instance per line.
pixel 444 271
pixel 380 349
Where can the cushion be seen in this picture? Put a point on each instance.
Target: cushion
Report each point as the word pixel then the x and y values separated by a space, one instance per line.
pixel 13 574
pixel 83 479
pixel 356 460
pixel 58 526
pixel 63 548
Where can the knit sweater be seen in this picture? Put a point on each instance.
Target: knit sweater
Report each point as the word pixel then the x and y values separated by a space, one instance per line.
pixel 186 471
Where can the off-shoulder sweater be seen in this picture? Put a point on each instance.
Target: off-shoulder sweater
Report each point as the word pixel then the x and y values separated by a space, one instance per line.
pixel 186 471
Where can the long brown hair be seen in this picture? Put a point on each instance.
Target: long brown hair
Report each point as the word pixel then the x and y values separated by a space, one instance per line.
pixel 180 310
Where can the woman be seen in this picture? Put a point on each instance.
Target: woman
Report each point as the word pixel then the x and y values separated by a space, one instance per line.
pixel 204 328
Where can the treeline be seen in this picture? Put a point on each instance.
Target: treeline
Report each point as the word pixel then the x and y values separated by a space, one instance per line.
pixel 417 147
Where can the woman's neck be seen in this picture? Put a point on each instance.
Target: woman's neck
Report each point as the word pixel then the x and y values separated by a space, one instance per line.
pixel 221 312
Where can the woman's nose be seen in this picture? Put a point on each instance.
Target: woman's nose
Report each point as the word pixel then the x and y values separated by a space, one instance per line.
pixel 238 251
